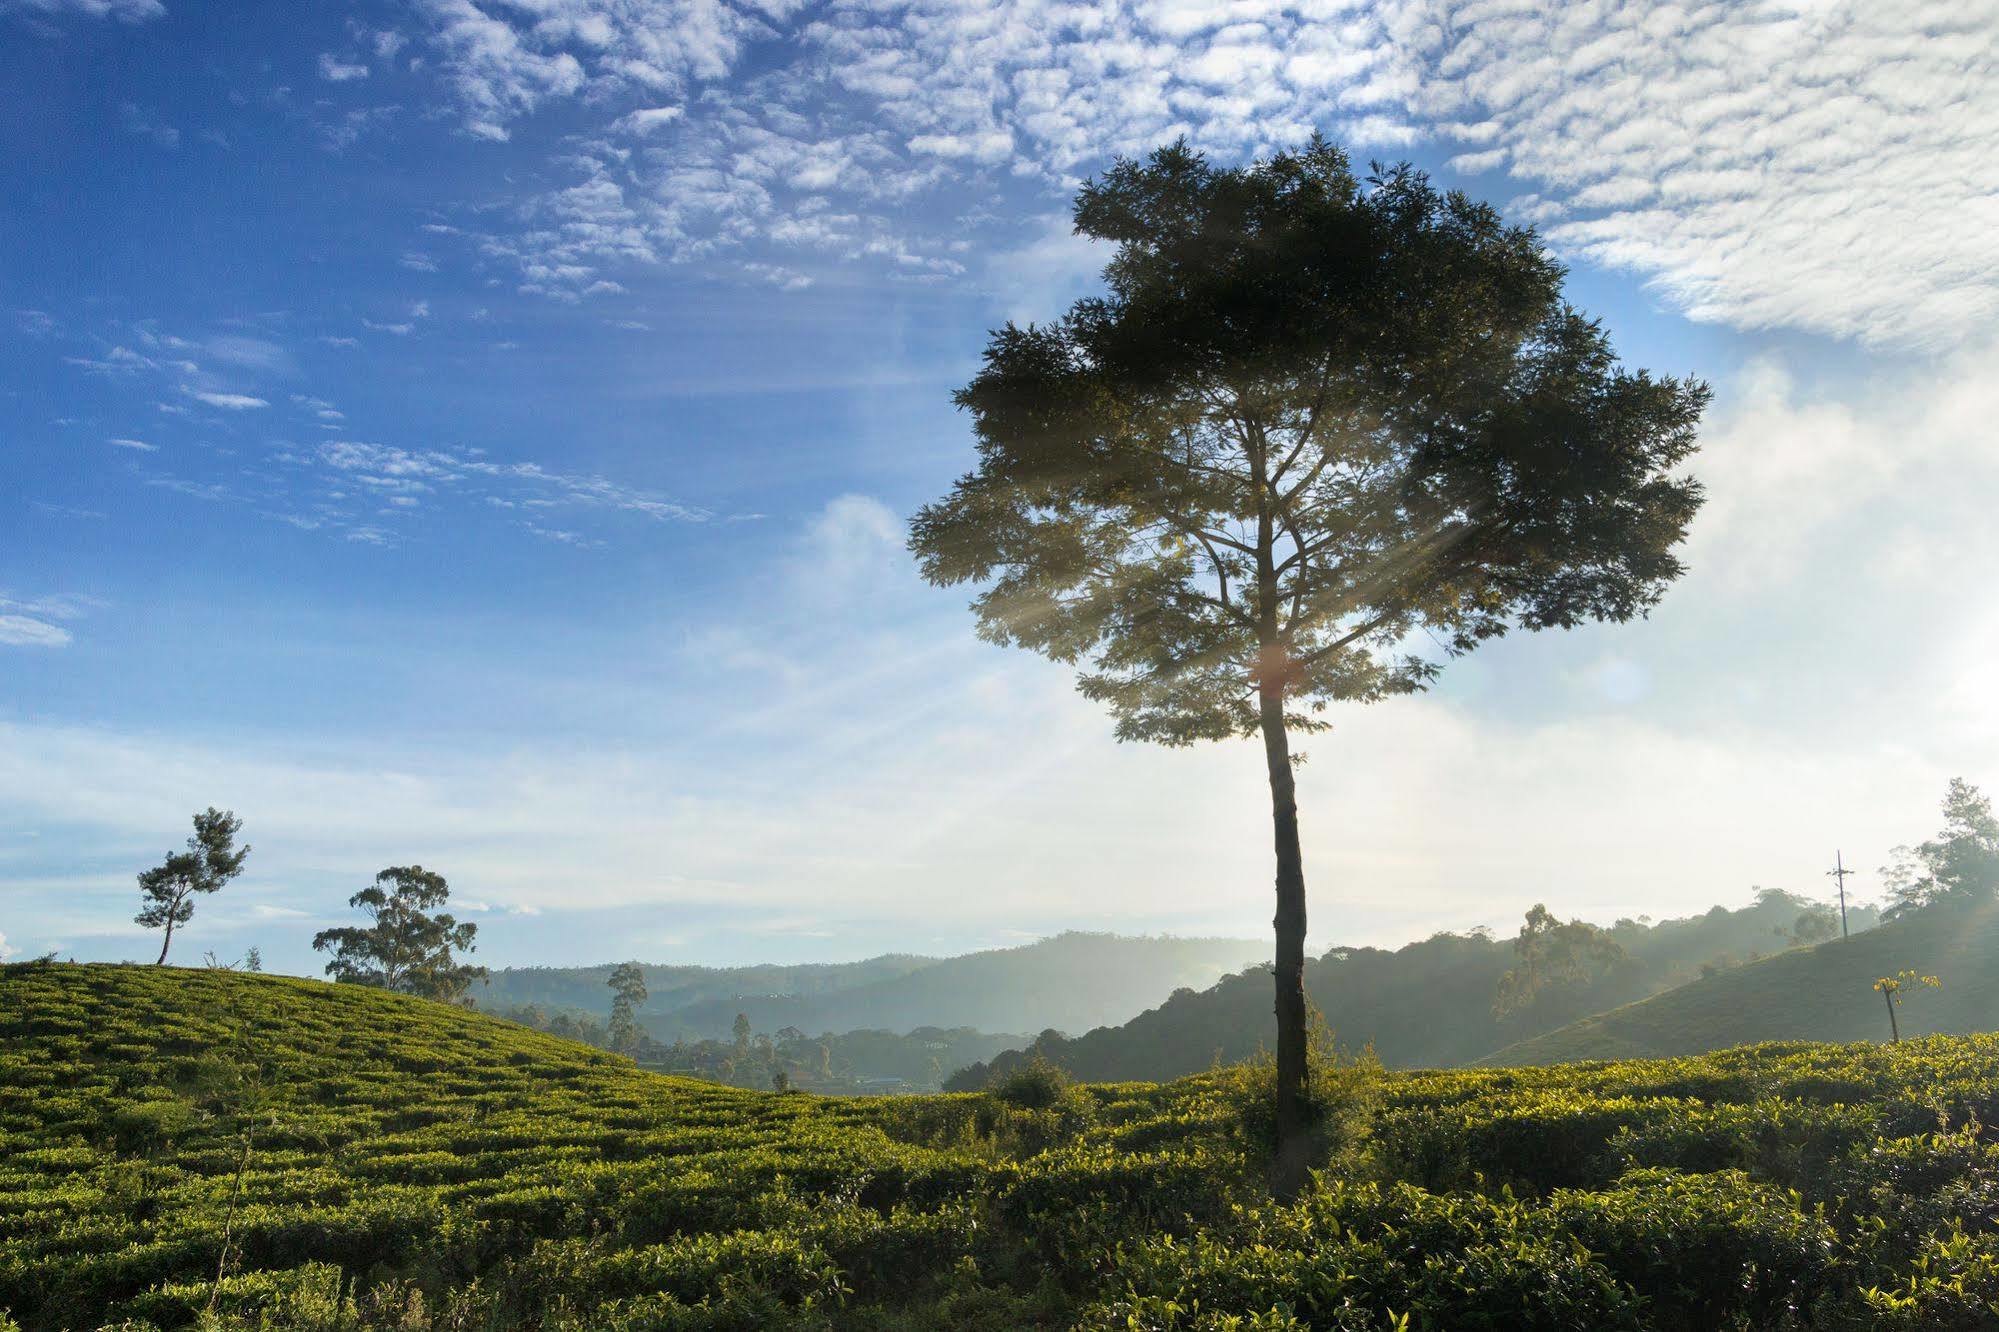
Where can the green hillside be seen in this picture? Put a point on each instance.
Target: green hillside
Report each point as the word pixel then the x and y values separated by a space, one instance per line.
pixel 1428 1004
pixel 1822 994
pixel 1073 981
pixel 199 1148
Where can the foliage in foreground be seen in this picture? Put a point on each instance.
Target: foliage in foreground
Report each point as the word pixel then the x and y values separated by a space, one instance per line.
pixel 348 1158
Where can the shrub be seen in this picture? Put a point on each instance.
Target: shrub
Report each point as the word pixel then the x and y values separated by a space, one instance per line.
pixel 1038 1084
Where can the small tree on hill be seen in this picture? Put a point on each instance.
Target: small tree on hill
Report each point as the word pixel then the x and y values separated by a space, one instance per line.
pixel 404 947
pixel 628 991
pixel 211 860
pixel 1550 952
pixel 1314 418
pixel 1959 865
pixel 1894 989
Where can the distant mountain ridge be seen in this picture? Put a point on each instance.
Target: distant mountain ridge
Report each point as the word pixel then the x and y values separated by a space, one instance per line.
pixel 1072 981
pixel 1825 993
pixel 1427 1004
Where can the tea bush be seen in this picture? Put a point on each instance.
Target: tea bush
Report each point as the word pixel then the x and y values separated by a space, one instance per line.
pixel 204 1149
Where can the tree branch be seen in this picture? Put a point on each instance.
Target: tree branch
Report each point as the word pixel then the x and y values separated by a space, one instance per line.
pixel 1346 640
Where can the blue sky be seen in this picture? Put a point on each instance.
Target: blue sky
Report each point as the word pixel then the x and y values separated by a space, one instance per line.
pixel 480 434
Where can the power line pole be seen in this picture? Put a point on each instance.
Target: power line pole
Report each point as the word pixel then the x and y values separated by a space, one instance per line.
pixel 1838 873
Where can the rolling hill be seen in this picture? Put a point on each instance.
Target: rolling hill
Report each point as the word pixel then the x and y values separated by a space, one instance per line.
pixel 1823 993
pixel 1073 981
pixel 1426 1005
pixel 199 1148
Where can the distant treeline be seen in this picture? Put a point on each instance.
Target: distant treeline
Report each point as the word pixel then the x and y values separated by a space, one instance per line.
pixel 1073 981
pixel 883 1062
pixel 1446 1001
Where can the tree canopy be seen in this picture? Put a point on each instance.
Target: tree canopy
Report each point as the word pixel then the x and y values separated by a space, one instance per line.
pixel 1551 953
pixel 404 947
pixel 1959 865
pixel 628 991
pixel 1314 416
pixel 211 860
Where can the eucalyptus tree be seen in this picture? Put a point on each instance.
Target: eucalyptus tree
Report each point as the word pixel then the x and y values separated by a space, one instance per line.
pixel 628 991
pixel 405 946
pixel 170 888
pixel 1317 424
pixel 1959 866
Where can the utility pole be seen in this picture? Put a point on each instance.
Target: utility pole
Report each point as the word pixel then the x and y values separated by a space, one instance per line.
pixel 1838 874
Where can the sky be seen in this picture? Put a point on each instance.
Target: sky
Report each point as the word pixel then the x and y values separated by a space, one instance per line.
pixel 481 433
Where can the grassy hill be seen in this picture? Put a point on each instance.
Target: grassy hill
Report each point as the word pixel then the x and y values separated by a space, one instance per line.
pixel 200 1148
pixel 1427 1004
pixel 1823 993
pixel 1073 982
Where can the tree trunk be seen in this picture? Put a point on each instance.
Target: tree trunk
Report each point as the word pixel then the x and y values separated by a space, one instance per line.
pixel 1292 1162
pixel 165 943
pixel 1894 1027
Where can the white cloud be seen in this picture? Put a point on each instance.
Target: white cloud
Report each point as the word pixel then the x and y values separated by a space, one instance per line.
pixel 117 361
pixel 232 402
pixel 148 125
pixel 26 631
pixel 33 623
pixel 383 474
pixel 648 119
pixel 5 950
pixel 851 546
pixel 335 70
pixel 248 352
pixel 268 911
pixel 139 444
pixel 1051 270
pixel 128 11
pixel 991 146
pixel 1827 166
pixel 1797 472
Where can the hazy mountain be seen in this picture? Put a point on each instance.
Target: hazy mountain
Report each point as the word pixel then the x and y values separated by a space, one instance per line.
pixel 1820 994
pixel 1073 981
pixel 1423 1005
pixel 673 988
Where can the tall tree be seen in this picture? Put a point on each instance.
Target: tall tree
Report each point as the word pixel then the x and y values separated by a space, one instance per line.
pixel 404 947
pixel 1959 865
pixel 1313 418
pixel 1549 954
pixel 211 860
pixel 628 991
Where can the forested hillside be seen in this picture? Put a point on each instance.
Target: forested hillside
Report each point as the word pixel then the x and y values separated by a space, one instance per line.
pixel 672 988
pixel 1824 993
pixel 1432 1003
pixel 1072 981
pixel 202 1148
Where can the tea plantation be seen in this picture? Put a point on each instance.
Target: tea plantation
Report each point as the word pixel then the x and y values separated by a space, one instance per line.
pixel 199 1148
